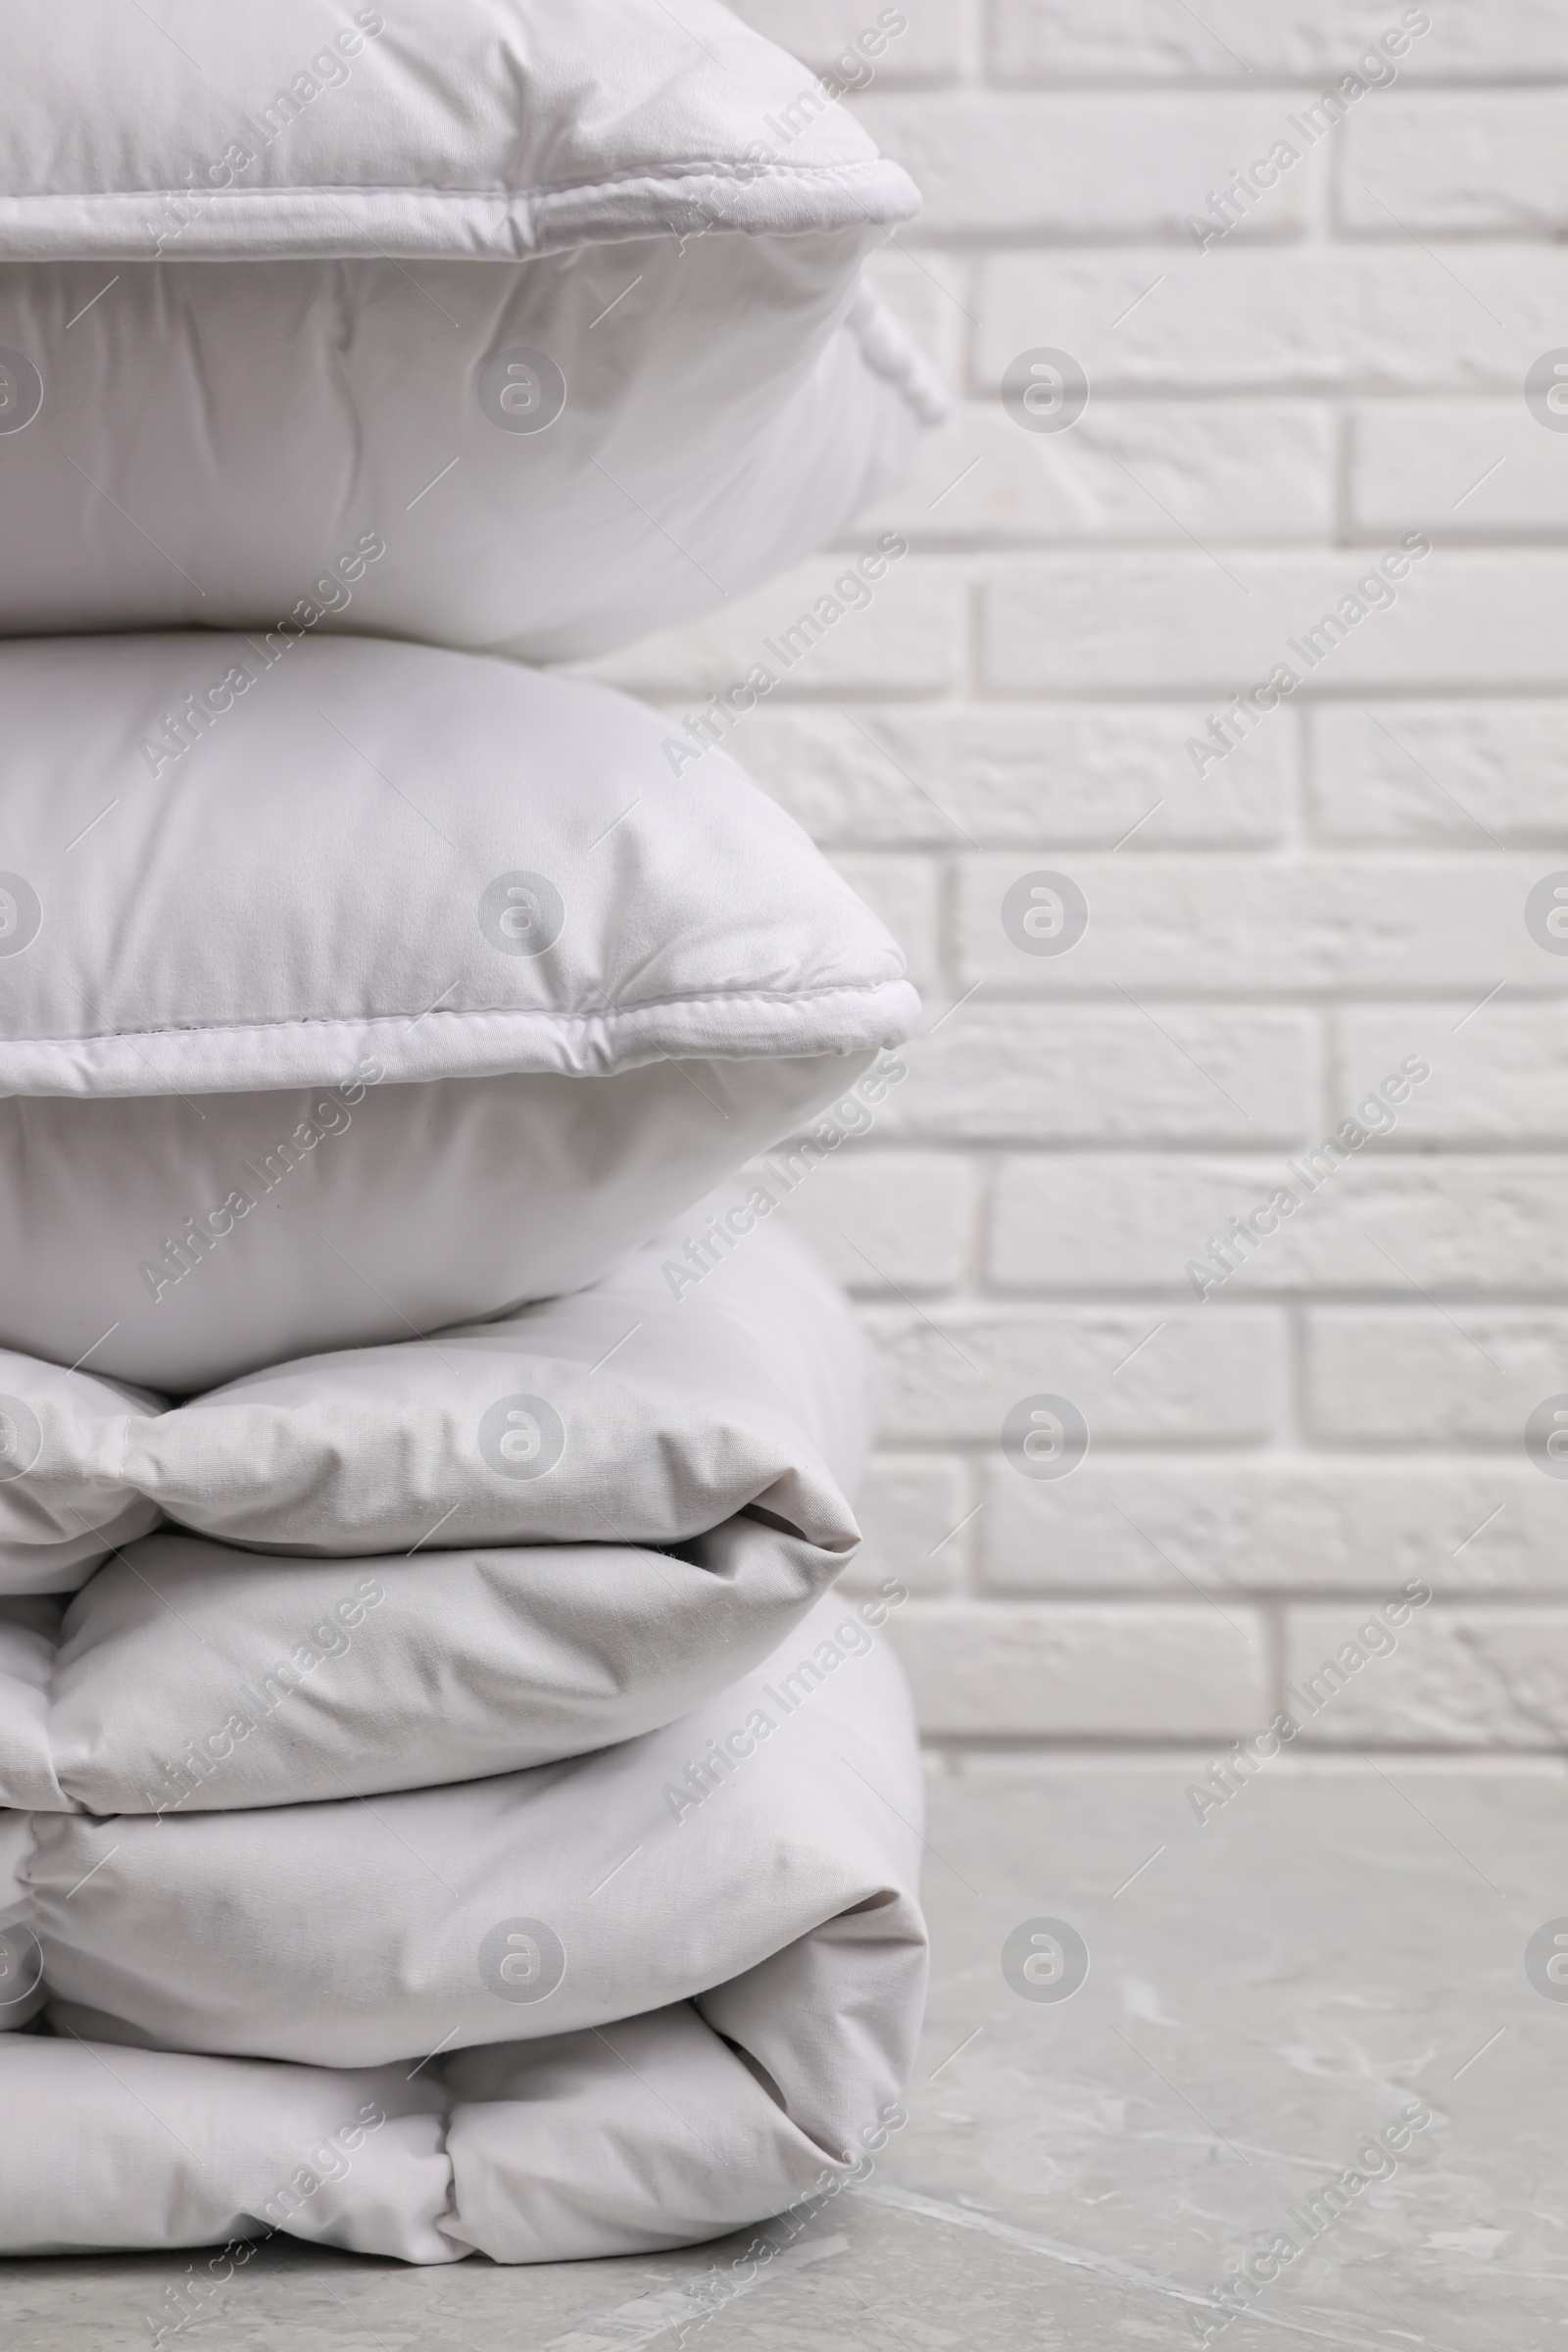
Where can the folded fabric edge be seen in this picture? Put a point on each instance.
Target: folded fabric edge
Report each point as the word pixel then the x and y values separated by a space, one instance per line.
pixel 262 1057
pixel 600 2154
pixel 779 2082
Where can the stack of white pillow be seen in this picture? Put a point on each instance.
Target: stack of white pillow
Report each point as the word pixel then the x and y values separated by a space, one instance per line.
pixel 443 1806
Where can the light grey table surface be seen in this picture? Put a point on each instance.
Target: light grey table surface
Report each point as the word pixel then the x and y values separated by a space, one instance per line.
pixel 1264 1991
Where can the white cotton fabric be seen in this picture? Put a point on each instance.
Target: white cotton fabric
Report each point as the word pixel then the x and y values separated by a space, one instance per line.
pixel 294 258
pixel 126 1238
pixel 490 127
pixel 237 864
pixel 426 1607
pixel 733 1979
pixel 444 1808
pixel 394 939
pixel 681 1398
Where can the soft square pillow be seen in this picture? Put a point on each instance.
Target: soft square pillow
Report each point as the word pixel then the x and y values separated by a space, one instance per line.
pixel 350 989
pixel 494 323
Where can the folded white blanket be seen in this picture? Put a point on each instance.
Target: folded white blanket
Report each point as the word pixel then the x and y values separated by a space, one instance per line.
pixel 454 1813
pixel 509 1543
pixel 717 1369
pixel 604 2006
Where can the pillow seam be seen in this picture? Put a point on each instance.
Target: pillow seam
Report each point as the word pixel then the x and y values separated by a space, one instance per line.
pixel 693 167
pixel 446 1013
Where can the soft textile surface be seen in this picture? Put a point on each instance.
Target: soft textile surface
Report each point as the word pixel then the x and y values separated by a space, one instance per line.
pixel 179 1241
pixel 233 866
pixel 678 1399
pixel 442 1806
pixel 496 323
pixel 509 1545
pixel 494 127
pixel 387 941
pixel 607 2006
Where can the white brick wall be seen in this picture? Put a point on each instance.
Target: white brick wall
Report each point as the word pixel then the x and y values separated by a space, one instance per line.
pixel 1268 940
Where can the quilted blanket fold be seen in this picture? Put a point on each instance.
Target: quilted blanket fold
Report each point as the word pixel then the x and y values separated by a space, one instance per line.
pixel 598 2007
pixel 694 1382
pixel 447 1559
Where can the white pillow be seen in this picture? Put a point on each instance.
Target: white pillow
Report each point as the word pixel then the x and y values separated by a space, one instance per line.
pixel 412 987
pixel 494 323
